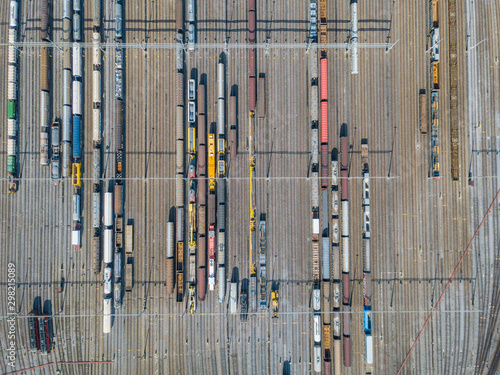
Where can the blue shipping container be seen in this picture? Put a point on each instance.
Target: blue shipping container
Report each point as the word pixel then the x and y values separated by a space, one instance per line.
pixel 368 319
pixel 77 149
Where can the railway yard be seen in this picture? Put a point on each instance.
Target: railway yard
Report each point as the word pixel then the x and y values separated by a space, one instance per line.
pixel 320 262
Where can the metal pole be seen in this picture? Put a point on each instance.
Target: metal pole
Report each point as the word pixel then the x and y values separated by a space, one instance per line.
pixel 391 47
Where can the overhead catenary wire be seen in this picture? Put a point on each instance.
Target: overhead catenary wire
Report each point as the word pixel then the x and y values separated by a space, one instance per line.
pixel 196 178
pixel 257 314
pixel 173 46
pixel 448 283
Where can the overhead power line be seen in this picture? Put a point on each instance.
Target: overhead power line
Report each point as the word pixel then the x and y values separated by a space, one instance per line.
pixel 266 314
pixel 174 45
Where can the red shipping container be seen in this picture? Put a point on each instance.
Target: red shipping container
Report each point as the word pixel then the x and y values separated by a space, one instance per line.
pixel 324 79
pixel 252 62
pixel 344 184
pixel 324 122
pixel 346 288
pixel 251 26
pixel 251 5
pixel 344 150
pixel 201 283
pixel 347 351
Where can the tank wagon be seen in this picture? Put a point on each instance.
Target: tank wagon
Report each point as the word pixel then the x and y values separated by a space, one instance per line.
pixel 12 99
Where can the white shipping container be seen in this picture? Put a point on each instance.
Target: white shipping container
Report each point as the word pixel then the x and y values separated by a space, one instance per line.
pixel 316 226
pixel 335 231
pixel 345 218
pixel 316 299
pixel 107 287
pixel 108 209
pixel 96 86
pixel 44 148
pixel 12 36
pixel 76 238
pixel 96 209
pixel 77 60
pixel 191 11
pixel 317 329
pixel 366 189
pixel 14 11
pixel 11 147
pixel 77 5
pixel 220 80
pixel 67 90
pixel 96 55
pixel 366 221
pixel 96 124
pixel 11 91
pixel 77 98
pixel 12 127
pixel 345 254
pixel 108 246
pixel 170 240
pixel 77 26
pixel 233 298
pixel 220 116
pixel 191 112
pixel 336 325
pixel 67 9
pixel 191 89
pixel 12 55
pixel 369 349
pixel 106 318
pixel 335 203
pixel 221 248
pixel 191 37
pixel 211 274
pixel 335 172
pixel 317 358
pixel 76 207
pixel 12 73
pixel 96 51
pixel 45 112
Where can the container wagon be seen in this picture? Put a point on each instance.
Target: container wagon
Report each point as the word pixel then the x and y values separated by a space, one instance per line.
pixel 423 113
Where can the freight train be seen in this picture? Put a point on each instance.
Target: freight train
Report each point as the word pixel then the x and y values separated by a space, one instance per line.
pixel 367 279
pixel 221 184
pixel 45 84
pixel 252 98
pixel 119 171
pixel 179 152
pixel 202 183
pixel 263 261
pixel 192 201
pixel 346 300
pixel 12 99
pixel 435 55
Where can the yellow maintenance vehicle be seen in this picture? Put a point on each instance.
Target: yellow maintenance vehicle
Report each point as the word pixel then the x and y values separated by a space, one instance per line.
pixel 275 302
pixel 77 175
pixel 211 162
